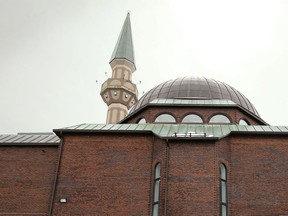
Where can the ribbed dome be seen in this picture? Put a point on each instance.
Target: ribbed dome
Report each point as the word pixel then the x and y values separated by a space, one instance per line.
pixel 195 88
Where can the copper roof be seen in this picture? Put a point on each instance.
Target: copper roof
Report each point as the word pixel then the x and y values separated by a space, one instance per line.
pixel 195 88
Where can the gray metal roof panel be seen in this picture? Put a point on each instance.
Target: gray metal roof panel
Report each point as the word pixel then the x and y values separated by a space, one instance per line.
pixel 275 129
pixel 141 127
pixel 6 138
pixel 47 139
pixel 149 126
pixel 22 139
pixel 27 139
pixel 132 127
pixel 258 128
pixel 283 128
pixel 116 127
pixel 157 128
pixel 15 139
pixel 165 130
pixel 225 129
pixel 90 126
pixel 124 127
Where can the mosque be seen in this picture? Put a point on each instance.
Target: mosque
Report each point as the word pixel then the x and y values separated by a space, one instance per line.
pixel 189 146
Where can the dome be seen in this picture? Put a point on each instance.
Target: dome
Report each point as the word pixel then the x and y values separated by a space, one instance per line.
pixel 197 88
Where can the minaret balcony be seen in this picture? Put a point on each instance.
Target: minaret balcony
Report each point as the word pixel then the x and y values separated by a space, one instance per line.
pixel 119 91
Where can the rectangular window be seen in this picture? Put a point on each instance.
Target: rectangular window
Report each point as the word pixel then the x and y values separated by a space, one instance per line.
pixel 156 189
pixel 223 191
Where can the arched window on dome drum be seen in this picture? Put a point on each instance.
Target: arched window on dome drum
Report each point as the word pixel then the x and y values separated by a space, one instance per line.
pixel 165 118
pixel 220 119
pixel 142 121
pixel 243 122
pixel 192 118
pixel 223 191
pixel 156 189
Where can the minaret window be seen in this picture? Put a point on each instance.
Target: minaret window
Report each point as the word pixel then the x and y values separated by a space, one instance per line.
pixel 165 118
pixel 220 119
pixel 192 118
pixel 223 190
pixel 156 189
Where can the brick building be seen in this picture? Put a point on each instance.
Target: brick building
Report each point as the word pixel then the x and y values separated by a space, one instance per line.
pixel 189 146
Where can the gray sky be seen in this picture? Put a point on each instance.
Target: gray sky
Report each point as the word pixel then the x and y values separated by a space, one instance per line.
pixel 53 51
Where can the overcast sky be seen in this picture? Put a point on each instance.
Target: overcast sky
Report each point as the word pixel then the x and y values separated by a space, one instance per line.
pixel 53 51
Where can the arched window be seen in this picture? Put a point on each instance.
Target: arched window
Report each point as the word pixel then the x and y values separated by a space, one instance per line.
pixel 165 118
pixel 192 118
pixel 243 122
pixel 156 189
pixel 223 190
pixel 222 119
pixel 142 121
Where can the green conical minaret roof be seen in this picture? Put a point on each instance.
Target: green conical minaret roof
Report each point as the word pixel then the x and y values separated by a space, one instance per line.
pixel 124 47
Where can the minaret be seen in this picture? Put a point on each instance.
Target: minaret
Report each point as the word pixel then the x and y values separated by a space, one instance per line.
pixel 118 92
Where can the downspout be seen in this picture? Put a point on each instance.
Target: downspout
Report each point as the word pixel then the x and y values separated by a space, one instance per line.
pixel 166 176
pixel 56 174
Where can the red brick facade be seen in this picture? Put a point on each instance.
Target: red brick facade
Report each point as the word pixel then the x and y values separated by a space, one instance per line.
pixel 112 174
pixel 259 175
pixel 26 181
pixel 235 115
pixel 102 172
pixel 105 175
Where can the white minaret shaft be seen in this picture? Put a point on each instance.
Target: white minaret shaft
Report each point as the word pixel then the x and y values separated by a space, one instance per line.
pixel 118 92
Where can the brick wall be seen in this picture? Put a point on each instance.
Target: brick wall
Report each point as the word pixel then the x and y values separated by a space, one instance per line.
pixel 105 175
pixel 27 175
pixel 259 175
pixel 191 187
pixel 160 155
pixel 112 174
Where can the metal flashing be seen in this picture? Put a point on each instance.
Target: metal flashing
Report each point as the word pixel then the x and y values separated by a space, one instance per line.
pixel 169 130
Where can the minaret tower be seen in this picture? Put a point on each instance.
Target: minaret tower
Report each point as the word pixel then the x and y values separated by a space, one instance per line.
pixel 118 92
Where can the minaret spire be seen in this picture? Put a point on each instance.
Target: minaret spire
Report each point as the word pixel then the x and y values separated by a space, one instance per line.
pixel 124 46
pixel 118 92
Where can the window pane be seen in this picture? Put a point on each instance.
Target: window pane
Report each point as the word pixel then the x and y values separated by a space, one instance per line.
pixel 192 118
pixel 142 121
pixel 157 171
pixel 156 190
pixel 223 192
pixel 243 122
pixel 219 119
pixel 155 210
pixel 165 118
pixel 224 210
pixel 222 172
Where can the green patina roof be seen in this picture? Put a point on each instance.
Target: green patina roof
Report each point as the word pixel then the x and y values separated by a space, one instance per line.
pixel 124 46
pixel 177 130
